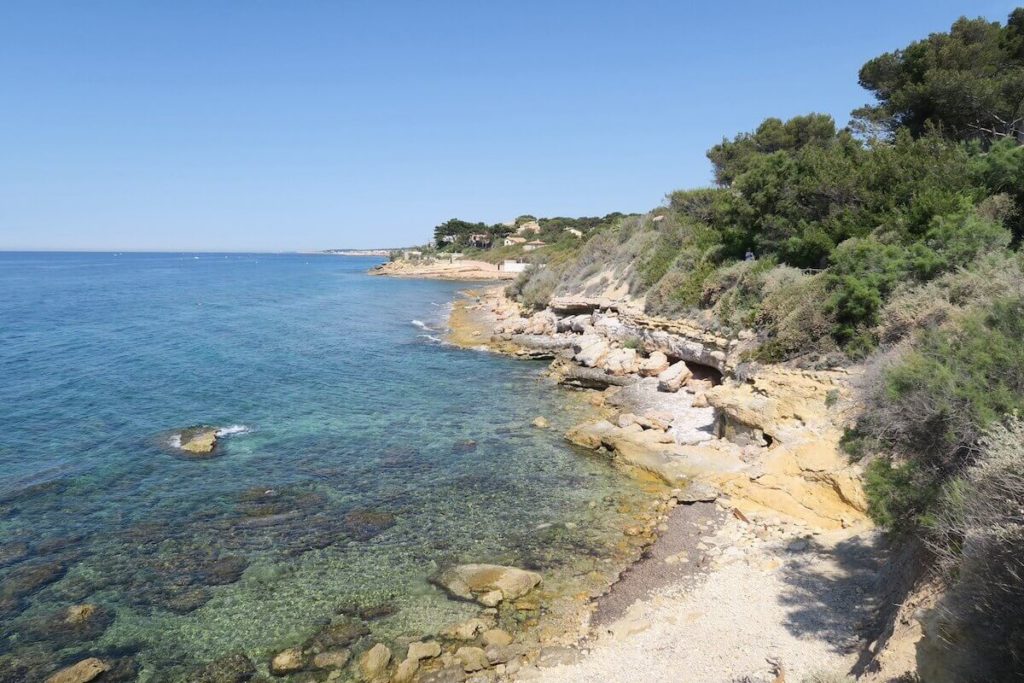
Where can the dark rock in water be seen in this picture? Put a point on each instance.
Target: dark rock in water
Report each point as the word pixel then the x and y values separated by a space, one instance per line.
pixel 464 446
pixel 66 627
pixel 370 612
pixel 233 668
pixel 49 546
pixel 224 570
pixel 337 635
pixel 365 524
pixel 10 605
pixel 186 601
pixel 12 552
pixel 29 578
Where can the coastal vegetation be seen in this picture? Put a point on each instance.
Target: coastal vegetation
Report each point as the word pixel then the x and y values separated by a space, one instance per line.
pixel 892 242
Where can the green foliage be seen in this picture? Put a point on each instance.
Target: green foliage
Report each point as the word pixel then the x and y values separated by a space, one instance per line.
pixel 900 496
pixel 968 83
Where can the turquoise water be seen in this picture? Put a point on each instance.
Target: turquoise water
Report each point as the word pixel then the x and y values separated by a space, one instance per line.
pixel 364 456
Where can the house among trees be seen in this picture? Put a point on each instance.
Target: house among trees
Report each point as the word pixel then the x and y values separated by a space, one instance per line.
pixel 574 232
pixel 533 244
pixel 528 227
pixel 512 241
pixel 480 240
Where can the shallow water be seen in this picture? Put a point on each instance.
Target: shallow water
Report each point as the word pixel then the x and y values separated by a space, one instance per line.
pixel 359 456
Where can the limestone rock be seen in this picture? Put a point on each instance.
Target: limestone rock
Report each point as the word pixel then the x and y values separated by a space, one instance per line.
pixel 405 671
pixel 654 365
pixel 198 441
pixel 424 650
pixel 590 350
pixel 697 492
pixel 621 362
pixel 331 659
pixel 472 658
pixel 475 581
pixel 374 662
pixel 82 672
pixel 287 662
pixel 496 636
pixel 671 379
pixel 541 423
pixel 467 630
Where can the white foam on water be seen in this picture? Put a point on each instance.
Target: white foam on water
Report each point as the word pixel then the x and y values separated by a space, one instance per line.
pixel 233 429
pixel 422 325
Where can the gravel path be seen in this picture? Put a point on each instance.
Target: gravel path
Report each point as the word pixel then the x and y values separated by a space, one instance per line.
pixel 773 594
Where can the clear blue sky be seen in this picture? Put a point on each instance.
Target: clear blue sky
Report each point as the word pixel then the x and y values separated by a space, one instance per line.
pixel 258 125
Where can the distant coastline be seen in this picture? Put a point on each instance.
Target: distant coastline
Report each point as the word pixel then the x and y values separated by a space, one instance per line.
pixel 360 252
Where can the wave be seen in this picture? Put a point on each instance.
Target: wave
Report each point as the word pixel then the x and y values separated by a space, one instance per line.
pixel 432 338
pixel 233 429
pixel 422 325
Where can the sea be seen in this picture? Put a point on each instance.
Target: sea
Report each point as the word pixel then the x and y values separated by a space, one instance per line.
pixel 359 455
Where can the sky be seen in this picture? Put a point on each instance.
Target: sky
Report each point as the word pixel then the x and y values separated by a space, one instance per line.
pixel 264 125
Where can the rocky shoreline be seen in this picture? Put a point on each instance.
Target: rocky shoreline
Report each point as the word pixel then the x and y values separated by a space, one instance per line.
pixel 755 447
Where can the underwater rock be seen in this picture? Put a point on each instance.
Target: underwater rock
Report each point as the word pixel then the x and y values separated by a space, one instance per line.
pixel 200 440
pixel 365 524
pixel 27 579
pixel 186 601
pixel 337 635
pixel 488 584
pixel 374 662
pixel 371 612
pixel 82 672
pixel 541 422
pixel 465 446
pixel 224 570
pixel 287 662
pixel 331 659
pixel 12 552
pixel 232 668
pixel 69 626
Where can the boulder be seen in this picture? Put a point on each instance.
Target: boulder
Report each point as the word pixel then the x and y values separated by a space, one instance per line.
pixel 672 379
pixel 331 659
pixel 489 584
pixel 498 637
pixel 589 350
pixel 592 378
pixel 472 659
pixel 622 362
pixel 374 662
pixel 406 671
pixel 287 662
pixel 654 365
pixel 467 630
pixel 82 672
pixel 544 322
pixel 198 441
pixel 696 492
pixel 541 423
pixel 424 650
